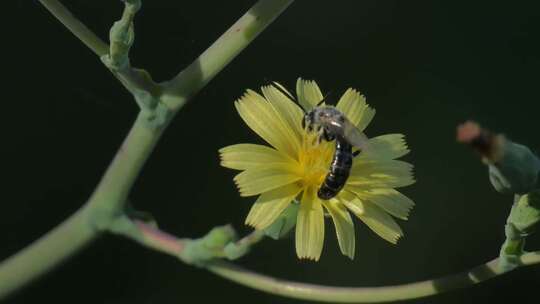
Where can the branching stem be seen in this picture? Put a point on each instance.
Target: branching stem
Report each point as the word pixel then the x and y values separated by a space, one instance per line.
pixel 107 203
pixel 104 211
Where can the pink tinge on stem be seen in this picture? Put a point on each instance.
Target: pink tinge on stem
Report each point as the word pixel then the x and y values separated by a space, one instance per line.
pixel 160 238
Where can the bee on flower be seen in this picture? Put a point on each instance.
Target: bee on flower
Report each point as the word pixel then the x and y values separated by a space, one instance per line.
pixel 297 163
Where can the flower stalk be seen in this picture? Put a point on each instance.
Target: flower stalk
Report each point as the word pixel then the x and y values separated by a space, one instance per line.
pixel 108 201
pixel 104 211
pixel 171 245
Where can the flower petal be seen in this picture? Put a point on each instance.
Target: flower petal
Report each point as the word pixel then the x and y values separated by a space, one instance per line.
pixel 388 199
pixel 266 121
pixel 270 205
pixel 349 200
pixel 354 106
pixel 388 146
pixel 377 220
pixel 247 156
pixel 310 227
pixel 288 110
pixel 258 180
pixel 308 92
pixel 380 174
pixel 344 226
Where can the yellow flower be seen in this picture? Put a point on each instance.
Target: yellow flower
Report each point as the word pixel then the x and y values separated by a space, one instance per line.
pixel 296 165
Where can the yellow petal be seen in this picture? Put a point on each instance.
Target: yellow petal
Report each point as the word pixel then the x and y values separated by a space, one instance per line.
pixel 351 201
pixel 377 220
pixel 266 121
pixel 247 156
pixel 388 146
pixel 288 110
pixel 308 92
pixel 270 205
pixel 354 106
pixel 310 227
pixel 388 199
pixel 344 226
pixel 258 180
pixel 380 174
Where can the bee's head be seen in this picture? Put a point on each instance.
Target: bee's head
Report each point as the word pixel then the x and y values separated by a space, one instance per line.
pixel 309 119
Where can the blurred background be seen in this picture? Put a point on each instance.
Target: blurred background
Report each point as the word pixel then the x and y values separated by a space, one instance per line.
pixel 424 65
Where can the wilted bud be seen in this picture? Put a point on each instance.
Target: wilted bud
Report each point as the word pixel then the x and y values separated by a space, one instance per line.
pixel 513 168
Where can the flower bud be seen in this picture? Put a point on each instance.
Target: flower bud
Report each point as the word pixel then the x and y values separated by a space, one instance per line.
pixel 525 214
pixel 513 168
pixel 524 217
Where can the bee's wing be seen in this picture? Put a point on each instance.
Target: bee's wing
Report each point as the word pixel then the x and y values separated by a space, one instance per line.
pixel 354 136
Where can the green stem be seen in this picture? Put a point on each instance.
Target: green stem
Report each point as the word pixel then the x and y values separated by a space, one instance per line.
pixel 81 228
pixel 45 253
pixel 169 244
pixel 108 200
pixel 112 191
pixel 178 90
pixel 364 294
pixel 76 27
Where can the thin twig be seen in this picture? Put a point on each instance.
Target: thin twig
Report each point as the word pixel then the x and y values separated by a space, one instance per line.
pixel 91 40
pixel 364 294
pixel 190 80
pixel 110 195
pixel 324 293
pixel 108 200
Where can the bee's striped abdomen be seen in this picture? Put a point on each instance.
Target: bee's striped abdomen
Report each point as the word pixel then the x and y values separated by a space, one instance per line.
pixel 339 170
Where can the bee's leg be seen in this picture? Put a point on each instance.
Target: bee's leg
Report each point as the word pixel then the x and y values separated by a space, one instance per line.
pixel 307 126
pixel 320 131
pixel 327 135
pixel 356 153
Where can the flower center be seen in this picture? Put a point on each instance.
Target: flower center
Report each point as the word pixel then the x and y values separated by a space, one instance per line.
pixel 314 159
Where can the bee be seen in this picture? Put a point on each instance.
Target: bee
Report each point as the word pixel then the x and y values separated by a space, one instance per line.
pixel 334 125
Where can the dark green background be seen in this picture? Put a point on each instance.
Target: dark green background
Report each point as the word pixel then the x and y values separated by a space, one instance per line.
pixel 424 65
